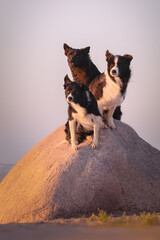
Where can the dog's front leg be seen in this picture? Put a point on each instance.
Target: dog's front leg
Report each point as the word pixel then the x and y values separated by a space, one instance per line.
pixel 95 136
pixel 72 126
pixel 110 122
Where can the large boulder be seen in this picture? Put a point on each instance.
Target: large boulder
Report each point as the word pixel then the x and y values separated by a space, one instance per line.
pixel 53 181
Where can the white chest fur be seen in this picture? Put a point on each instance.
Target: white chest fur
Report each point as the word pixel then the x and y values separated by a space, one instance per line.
pixel 86 120
pixel 112 96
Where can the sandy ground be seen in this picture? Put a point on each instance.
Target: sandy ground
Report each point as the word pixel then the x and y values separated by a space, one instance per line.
pixel 75 229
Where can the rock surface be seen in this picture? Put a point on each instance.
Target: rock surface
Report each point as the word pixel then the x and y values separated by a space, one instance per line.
pixel 51 182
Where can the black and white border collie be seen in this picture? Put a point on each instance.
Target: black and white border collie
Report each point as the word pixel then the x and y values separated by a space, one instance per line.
pixel 82 112
pixel 110 87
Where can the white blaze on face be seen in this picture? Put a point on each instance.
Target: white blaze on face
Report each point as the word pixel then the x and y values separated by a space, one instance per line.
pixel 115 71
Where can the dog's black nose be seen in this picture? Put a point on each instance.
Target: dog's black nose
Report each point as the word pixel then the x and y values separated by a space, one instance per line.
pixel 70 98
pixel 113 71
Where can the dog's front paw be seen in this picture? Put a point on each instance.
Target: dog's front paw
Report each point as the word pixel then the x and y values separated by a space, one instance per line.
pixel 104 126
pixel 74 147
pixel 94 145
pixel 111 125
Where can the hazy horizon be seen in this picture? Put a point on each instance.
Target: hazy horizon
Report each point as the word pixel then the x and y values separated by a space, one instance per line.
pixel 33 64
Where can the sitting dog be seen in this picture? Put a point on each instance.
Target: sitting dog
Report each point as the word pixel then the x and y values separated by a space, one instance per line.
pixel 109 88
pixel 83 113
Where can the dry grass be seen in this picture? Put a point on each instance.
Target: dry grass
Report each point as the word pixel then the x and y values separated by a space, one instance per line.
pixel 125 220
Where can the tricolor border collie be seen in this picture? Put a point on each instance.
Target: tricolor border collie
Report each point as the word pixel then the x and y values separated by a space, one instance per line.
pixel 109 88
pixel 83 69
pixel 83 113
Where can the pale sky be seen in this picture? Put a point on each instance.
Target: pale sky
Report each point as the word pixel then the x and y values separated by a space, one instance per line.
pixel 33 64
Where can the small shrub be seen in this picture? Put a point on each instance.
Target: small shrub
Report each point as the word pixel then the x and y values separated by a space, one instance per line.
pixel 124 220
pixel 103 216
pixel 149 218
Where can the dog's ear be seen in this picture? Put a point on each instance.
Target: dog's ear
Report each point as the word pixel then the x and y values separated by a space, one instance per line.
pixel 66 48
pixel 128 57
pixel 86 50
pixel 108 55
pixel 67 81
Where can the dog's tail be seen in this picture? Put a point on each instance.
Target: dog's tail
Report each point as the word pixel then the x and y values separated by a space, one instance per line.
pixel 64 141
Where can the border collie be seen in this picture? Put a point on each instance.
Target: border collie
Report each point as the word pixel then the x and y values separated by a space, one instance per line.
pixel 109 88
pixel 82 112
pixel 83 69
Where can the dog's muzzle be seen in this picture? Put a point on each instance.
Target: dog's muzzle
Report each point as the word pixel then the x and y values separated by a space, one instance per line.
pixel 69 98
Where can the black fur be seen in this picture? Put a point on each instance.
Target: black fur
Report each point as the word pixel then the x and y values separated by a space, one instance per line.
pixel 78 91
pixel 83 69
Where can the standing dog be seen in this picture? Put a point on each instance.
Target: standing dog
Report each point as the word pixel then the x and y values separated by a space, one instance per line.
pixel 109 88
pixel 82 112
